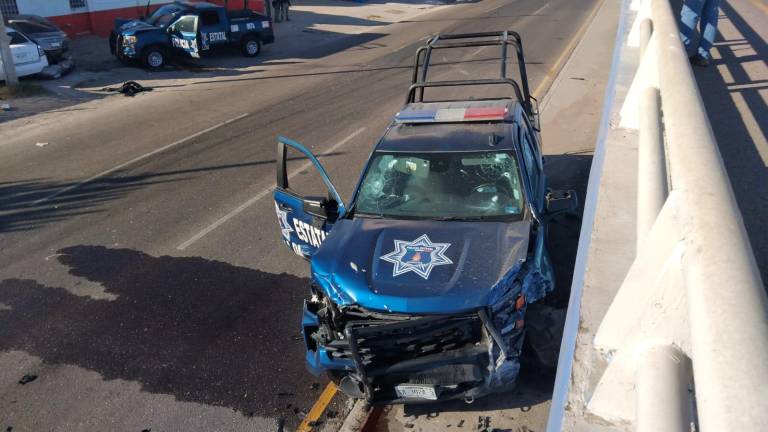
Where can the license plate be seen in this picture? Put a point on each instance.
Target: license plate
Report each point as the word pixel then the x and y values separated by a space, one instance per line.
pixel 416 391
pixel 55 44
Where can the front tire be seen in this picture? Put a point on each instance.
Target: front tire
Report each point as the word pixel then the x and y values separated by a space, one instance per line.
pixel 154 57
pixel 251 46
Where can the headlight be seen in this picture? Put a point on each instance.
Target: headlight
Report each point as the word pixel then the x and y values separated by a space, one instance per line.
pixel 129 40
pixel 40 51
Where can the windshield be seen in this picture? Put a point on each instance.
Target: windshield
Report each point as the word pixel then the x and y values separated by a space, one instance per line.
pixel 163 16
pixel 472 185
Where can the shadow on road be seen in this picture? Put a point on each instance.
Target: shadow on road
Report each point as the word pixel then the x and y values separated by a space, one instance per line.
pixel 566 172
pixel 22 210
pixel 203 331
pixel 732 89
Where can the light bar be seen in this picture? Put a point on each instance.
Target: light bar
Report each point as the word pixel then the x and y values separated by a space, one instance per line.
pixel 490 113
pixel 447 115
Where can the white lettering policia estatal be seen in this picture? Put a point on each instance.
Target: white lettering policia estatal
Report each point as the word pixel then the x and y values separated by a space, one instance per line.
pixel 217 36
pixel 308 233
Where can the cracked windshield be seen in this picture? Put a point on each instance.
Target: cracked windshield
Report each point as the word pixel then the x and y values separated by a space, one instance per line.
pixel 442 185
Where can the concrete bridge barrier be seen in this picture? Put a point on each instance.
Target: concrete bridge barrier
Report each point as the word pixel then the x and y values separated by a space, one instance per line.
pixel 667 325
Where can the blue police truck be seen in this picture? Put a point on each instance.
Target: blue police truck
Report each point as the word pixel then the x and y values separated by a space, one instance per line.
pixel 188 29
pixel 421 284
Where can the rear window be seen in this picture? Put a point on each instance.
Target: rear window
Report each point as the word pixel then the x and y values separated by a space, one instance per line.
pixel 17 38
pixel 209 18
pixel 30 27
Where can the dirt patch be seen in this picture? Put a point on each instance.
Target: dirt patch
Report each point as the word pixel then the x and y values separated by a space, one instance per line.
pixel 24 89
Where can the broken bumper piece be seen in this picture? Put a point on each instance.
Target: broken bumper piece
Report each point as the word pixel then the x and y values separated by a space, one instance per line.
pixel 410 359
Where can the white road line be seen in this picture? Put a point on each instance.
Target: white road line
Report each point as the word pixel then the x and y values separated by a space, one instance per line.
pixel 137 159
pixel 261 195
pixel 541 9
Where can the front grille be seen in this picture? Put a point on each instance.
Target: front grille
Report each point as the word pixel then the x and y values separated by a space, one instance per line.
pixel 382 346
pixel 436 349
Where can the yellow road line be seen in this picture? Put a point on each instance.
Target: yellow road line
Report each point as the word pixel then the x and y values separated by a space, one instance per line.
pixel 318 408
pixel 555 69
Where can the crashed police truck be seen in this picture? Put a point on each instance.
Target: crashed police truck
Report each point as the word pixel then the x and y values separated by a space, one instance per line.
pixel 420 284
pixel 188 29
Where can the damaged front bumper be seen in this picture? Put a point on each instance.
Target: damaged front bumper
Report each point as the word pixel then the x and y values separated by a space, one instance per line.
pixel 391 358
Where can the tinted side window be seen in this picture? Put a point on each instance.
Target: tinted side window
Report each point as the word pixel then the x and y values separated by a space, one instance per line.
pixel 17 38
pixel 186 24
pixel 209 18
pixel 531 163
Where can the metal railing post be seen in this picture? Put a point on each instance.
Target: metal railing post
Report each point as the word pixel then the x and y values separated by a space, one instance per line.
pixel 663 376
pixel 727 305
pixel 652 170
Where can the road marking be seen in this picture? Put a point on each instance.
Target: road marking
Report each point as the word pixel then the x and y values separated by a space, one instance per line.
pixel 318 408
pixel 137 159
pixel 566 53
pixel 541 9
pixel 261 195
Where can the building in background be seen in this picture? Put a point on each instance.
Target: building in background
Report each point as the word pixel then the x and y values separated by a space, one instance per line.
pixel 78 17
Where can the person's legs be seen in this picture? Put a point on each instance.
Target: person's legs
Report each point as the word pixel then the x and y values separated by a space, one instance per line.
pixel 708 26
pixel 689 17
pixel 287 9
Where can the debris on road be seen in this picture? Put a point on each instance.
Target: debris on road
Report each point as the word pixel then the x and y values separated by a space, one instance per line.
pixel 28 378
pixel 483 423
pixel 129 88
pixel 41 144
pixel 55 71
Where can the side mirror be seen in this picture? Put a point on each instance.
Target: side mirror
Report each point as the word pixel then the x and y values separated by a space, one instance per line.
pixel 321 207
pixel 562 202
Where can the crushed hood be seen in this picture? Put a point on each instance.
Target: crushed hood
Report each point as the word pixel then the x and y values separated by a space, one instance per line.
pixel 418 266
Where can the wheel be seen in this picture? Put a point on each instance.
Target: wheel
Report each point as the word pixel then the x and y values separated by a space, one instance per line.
pixel 153 57
pixel 251 46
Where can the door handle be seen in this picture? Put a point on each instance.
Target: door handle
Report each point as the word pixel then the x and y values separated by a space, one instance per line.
pixel 284 207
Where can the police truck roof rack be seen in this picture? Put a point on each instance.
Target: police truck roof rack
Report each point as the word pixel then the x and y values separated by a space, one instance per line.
pixel 504 39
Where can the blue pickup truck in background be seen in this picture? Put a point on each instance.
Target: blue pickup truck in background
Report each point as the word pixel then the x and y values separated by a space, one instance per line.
pixel 188 29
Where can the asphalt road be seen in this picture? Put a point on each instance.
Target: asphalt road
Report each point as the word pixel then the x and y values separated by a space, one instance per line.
pixel 159 295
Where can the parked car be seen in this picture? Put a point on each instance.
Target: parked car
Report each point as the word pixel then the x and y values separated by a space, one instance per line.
pixel 188 29
pixel 43 32
pixel 422 285
pixel 28 56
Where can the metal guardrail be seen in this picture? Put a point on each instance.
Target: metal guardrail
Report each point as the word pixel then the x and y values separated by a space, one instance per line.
pixel 687 334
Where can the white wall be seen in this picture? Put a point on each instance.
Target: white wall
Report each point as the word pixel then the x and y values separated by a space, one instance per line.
pixel 44 7
pixel 61 7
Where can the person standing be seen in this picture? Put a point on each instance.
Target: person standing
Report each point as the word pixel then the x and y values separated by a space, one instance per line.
pixel 705 13
pixel 281 10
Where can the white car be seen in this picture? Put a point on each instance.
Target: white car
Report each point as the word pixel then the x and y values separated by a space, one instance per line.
pixel 28 56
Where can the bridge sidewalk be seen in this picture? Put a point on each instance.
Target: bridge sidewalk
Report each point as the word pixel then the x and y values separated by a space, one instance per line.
pixel 734 89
